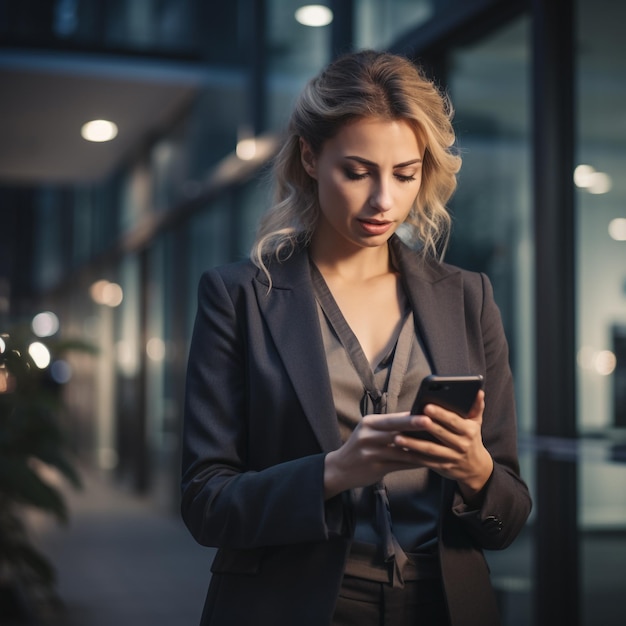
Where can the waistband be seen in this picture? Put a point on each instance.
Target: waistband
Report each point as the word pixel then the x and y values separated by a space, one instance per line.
pixel 364 561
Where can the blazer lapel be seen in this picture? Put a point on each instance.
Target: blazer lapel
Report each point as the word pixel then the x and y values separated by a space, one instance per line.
pixel 436 295
pixel 290 312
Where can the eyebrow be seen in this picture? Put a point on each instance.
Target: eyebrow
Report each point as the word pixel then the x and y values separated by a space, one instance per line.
pixel 363 161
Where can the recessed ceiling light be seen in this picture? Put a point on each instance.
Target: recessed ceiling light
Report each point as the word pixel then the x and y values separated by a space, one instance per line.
pixel 99 130
pixel 314 15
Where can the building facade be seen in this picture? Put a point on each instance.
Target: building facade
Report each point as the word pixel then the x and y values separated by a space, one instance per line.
pixel 114 240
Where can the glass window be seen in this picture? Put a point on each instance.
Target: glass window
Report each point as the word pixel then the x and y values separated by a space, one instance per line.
pixel 135 198
pixel 296 52
pixel 82 225
pixel 492 217
pixel 50 237
pixel 492 233
pixel 130 436
pixel 379 22
pixel 253 200
pixel 214 121
pixel 601 305
pixel 208 235
pixel 166 304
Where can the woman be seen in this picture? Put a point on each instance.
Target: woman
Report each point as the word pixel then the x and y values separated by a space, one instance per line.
pixel 303 372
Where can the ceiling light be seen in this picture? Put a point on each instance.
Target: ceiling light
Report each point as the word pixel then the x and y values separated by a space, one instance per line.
pixel 99 130
pixel 314 15
pixel 583 175
pixel 600 183
pixel 617 229
pixel 586 177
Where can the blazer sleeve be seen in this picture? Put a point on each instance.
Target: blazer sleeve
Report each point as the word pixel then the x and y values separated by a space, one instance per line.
pixel 225 503
pixel 506 502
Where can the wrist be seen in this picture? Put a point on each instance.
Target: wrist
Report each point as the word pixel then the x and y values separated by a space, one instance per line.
pixel 472 488
pixel 332 477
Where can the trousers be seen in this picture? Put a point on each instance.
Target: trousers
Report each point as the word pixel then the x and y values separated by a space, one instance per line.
pixel 367 603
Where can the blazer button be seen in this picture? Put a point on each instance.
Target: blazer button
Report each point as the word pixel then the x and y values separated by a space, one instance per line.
pixel 493 524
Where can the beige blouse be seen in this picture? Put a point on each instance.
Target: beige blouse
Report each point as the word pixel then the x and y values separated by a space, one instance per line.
pixel 383 549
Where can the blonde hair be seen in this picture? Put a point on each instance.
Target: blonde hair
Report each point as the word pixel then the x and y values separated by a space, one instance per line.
pixel 361 85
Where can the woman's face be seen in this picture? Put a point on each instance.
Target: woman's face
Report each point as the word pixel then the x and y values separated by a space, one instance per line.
pixel 368 176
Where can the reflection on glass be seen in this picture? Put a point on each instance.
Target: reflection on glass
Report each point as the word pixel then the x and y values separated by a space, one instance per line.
pixel 588 178
pixel 617 229
pixel 492 233
pixel 295 53
pixel 379 22
pixel 601 305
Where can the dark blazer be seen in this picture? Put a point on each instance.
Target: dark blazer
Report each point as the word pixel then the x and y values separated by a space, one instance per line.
pixel 259 419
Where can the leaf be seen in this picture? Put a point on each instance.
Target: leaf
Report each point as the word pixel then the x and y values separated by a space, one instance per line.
pixel 72 345
pixel 51 455
pixel 20 482
pixel 23 556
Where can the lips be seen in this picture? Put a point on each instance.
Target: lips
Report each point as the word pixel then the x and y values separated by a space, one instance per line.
pixel 374 227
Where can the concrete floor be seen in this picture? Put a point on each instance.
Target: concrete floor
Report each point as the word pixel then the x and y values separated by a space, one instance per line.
pixel 122 562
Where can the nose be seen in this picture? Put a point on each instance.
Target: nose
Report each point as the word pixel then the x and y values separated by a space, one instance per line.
pixel 380 198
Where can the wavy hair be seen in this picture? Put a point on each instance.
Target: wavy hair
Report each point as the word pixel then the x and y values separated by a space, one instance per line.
pixel 355 86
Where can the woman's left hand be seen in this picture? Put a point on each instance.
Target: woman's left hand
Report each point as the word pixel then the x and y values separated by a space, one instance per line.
pixel 458 452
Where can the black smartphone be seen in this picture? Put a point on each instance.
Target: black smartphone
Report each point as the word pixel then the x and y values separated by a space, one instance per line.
pixel 455 393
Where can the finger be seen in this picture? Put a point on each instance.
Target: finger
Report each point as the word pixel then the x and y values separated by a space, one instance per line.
pixel 428 453
pixel 389 422
pixel 402 457
pixel 443 420
pixel 447 429
pixel 478 407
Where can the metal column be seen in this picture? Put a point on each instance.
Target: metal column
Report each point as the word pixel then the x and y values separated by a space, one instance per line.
pixel 556 523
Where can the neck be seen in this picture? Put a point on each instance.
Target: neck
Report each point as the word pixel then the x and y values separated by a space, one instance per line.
pixel 359 264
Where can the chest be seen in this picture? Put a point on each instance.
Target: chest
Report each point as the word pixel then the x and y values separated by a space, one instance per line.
pixel 374 311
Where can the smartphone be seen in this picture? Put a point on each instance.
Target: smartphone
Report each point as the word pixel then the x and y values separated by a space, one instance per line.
pixel 455 393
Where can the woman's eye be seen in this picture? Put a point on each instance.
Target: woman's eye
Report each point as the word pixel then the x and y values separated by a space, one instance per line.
pixel 404 178
pixel 352 175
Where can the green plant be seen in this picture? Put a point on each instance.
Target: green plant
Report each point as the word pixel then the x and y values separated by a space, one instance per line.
pixel 32 438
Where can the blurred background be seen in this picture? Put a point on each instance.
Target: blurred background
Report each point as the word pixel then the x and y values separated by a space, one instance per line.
pixel 134 142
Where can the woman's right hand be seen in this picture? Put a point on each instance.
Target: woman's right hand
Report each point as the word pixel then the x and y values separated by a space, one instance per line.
pixel 370 453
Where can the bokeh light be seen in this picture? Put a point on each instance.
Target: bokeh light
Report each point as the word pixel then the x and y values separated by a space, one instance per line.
pixel 99 131
pixel 45 324
pixel 107 293
pixel 155 349
pixel 61 372
pixel 314 15
pixel 617 229
pixel 40 354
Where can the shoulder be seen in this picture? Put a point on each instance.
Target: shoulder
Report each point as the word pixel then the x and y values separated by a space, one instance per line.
pixel 237 271
pixel 413 262
pixel 220 287
pixel 244 277
pixel 231 275
pixel 474 283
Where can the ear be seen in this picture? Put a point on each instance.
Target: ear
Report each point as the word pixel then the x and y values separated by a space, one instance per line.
pixel 307 158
